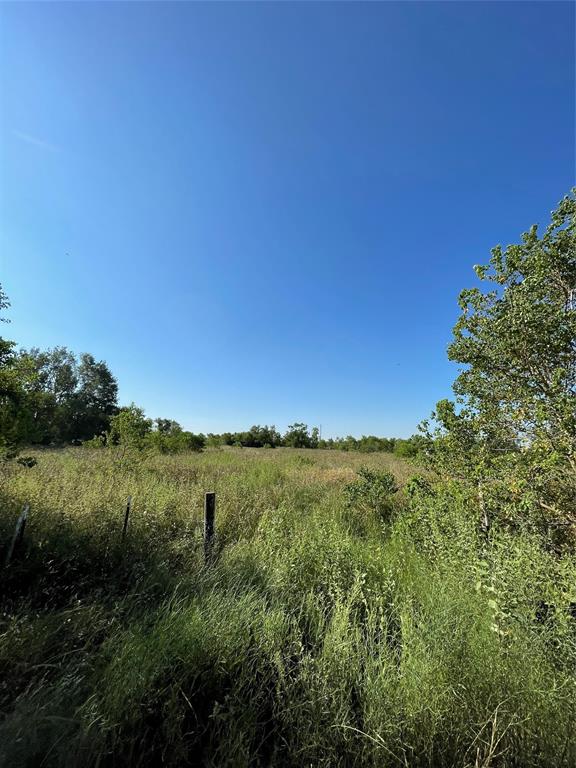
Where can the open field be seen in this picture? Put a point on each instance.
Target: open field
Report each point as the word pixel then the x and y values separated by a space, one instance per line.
pixel 260 506
pixel 326 633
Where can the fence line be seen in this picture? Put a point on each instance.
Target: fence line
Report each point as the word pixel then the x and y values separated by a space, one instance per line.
pixel 209 527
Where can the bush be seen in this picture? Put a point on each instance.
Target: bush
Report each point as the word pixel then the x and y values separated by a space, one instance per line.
pixel 27 461
pixel 176 442
pixel 129 428
pixel 373 491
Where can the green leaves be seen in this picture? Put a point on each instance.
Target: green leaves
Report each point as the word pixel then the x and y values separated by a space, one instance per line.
pixel 372 491
pixel 72 397
pixel 517 343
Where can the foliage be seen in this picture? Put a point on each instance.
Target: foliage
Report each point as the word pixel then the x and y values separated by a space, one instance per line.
pixel 256 437
pixel 175 442
pixel 409 448
pixel 15 400
pixel 131 429
pixel 299 436
pixel 74 397
pixel 512 430
pixel 314 639
pixel 167 427
pixel 372 491
pixel 517 340
pixel 27 461
pixel 317 636
pixel 372 444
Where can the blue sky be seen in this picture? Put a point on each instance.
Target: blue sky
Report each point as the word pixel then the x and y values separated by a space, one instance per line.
pixel 261 213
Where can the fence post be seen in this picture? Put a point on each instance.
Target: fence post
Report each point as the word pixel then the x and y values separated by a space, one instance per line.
pixel 209 516
pixel 18 534
pixel 126 517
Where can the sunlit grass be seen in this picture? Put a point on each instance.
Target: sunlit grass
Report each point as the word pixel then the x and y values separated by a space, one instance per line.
pixel 322 635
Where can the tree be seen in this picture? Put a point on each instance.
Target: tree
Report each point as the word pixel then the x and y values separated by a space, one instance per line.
pixel 129 427
pixel 518 340
pixel 314 438
pixel 410 447
pixel 168 426
pixel 95 399
pixel 169 437
pixel 515 412
pixel 297 436
pixel 259 436
pixel 74 397
pixel 16 404
pixel 348 443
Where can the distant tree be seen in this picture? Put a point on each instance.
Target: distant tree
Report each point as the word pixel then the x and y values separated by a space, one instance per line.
pixel 366 444
pixel 169 437
pixel 129 427
pixel 96 398
pixel 75 397
pixel 297 436
pixel 369 444
pixel 191 441
pixel 56 372
pixel 174 442
pixel 409 448
pixel 372 444
pixel 167 426
pixel 215 441
pixel 258 437
pixel 314 437
pixel 15 402
pixel 350 443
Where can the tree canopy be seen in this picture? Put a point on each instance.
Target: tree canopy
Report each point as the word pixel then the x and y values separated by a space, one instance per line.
pixel 512 426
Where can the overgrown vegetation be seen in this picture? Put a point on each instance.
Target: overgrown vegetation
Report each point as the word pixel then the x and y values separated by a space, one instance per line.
pixel 358 610
pixel 343 622
pixel 512 430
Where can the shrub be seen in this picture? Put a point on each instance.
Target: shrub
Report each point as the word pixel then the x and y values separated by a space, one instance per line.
pixel 27 461
pixel 373 491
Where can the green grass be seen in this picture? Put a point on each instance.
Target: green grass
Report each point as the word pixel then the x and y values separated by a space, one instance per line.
pixel 323 635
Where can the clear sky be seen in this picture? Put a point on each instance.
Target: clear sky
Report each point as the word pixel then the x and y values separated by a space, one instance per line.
pixel 261 213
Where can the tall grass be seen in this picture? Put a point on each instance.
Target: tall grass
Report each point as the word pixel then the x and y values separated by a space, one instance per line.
pixel 323 635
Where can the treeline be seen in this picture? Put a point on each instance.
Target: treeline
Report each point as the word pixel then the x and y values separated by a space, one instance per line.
pixel 55 397
pixel 299 435
pixel 130 427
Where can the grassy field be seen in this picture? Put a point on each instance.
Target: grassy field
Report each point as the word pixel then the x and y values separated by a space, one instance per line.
pixel 325 633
